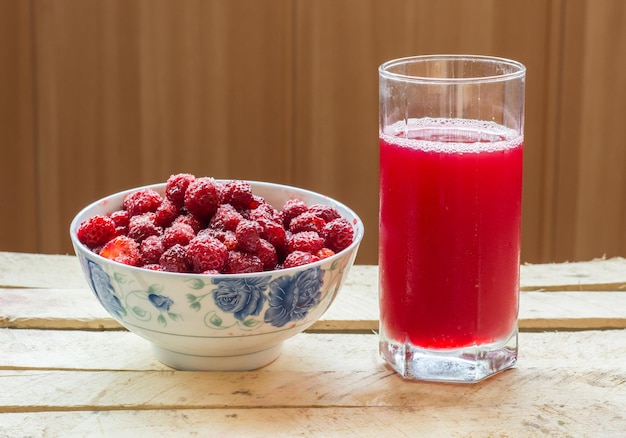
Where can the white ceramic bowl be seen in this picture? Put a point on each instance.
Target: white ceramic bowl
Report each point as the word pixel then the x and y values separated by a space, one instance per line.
pixel 189 318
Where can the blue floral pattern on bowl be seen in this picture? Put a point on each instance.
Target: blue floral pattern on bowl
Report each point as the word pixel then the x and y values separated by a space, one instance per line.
pixel 245 303
pixel 242 297
pixel 103 289
pixel 291 297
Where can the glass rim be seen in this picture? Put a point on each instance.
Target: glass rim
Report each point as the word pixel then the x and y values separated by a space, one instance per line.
pixel 518 70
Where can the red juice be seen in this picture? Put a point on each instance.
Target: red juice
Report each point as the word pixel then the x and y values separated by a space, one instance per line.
pixel 450 214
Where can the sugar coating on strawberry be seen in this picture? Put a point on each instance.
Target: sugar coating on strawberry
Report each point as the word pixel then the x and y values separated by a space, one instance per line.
pixel 202 197
pixel 267 253
pixel 306 221
pixel 175 259
pixel 96 231
pixel 151 250
pixel 238 194
pixel 305 241
pixel 176 186
pixel 190 220
pixel 266 211
pixel 142 226
pixel 179 233
pixel 206 253
pixel 142 201
pixel 120 217
pixel 205 226
pixel 325 212
pixel 122 249
pixel 291 209
pixel 241 263
pixel 166 213
pixel 248 234
pixel 256 201
pixel 299 258
pixel 227 237
pixel 338 234
pixel 226 218
pixel 273 232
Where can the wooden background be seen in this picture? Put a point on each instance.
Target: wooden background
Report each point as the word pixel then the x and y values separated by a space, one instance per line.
pixel 100 96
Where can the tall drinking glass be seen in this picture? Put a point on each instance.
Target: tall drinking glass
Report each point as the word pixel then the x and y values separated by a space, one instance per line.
pixel 451 143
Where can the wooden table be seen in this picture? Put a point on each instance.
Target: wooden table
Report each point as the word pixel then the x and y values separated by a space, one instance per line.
pixel 67 369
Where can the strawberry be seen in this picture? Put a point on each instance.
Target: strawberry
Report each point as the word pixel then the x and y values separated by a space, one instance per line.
pixel 306 241
pixel 142 201
pixel 299 258
pixel 122 249
pixel 324 253
pixel 96 231
pixel 206 253
pixel 179 233
pixel 306 221
pixel 142 226
pixel 202 197
pixel 226 218
pixel 248 234
pixel 238 194
pixel 325 212
pixel 151 250
pixel 291 209
pixel 176 187
pixel 175 259
pixel 267 253
pixel 338 234
pixel 240 263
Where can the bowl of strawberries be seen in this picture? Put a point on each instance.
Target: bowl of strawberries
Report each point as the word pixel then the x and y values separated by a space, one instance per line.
pixel 216 274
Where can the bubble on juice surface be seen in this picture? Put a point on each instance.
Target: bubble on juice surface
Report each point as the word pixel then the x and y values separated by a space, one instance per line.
pixel 451 135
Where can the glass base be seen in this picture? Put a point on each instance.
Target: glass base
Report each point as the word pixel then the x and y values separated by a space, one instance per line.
pixel 464 365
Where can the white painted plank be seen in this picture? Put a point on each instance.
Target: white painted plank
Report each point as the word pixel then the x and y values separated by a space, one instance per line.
pixel 575 388
pixel 505 419
pixel 598 274
pixel 40 270
pixel 124 351
pixel 565 384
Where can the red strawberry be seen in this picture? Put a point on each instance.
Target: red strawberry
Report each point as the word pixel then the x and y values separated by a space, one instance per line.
pixel 324 253
pixel 166 213
pixel 325 212
pixel 142 226
pixel 179 233
pixel 151 250
pixel 299 258
pixel 176 187
pixel 96 231
pixel 175 259
pixel 122 249
pixel 120 218
pixel 238 194
pixel 306 241
pixel 291 209
pixel 338 234
pixel 241 263
pixel 248 234
pixel 142 201
pixel 273 232
pixel 267 253
pixel 226 218
pixel 206 253
pixel 202 197
pixel 307 221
